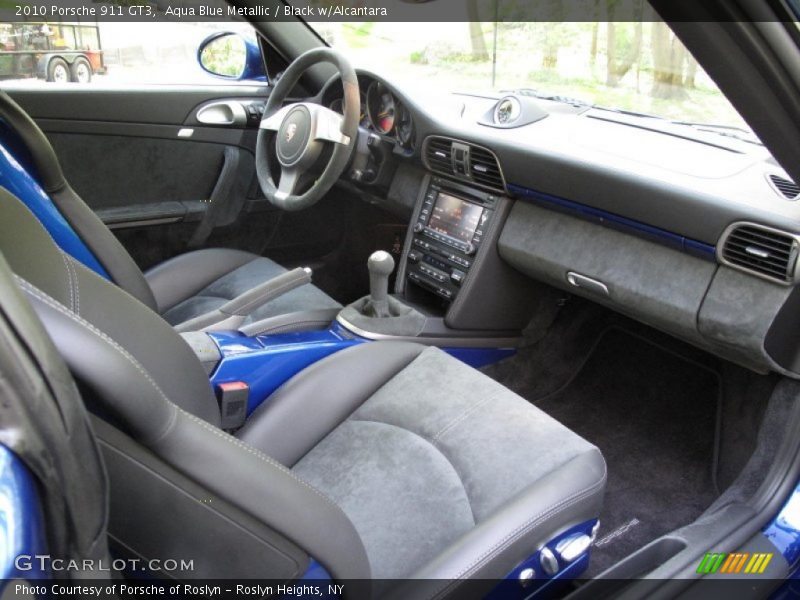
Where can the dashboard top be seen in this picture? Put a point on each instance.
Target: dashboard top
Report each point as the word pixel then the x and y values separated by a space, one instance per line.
pixel 688 180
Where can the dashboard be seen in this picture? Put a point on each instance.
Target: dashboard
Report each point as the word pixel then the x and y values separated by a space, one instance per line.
pixel 690 231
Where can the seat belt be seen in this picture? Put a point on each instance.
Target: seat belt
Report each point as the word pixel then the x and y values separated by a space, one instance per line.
pixel 224 204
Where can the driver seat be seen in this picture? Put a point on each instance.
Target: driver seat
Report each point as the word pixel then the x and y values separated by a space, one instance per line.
pixel 179 289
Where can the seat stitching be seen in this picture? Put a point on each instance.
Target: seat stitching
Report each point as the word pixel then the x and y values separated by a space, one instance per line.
pixel 463 416
pixel 33 290
pixel 77 286
pixel 436 447
pixel 54 304
pixel 261 456
pixel 69 279
pixel 522 530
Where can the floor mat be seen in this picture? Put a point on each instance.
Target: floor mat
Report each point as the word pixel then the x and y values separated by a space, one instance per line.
pixel 653 415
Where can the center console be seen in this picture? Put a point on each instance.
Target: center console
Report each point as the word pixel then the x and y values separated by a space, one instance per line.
pixel 446 236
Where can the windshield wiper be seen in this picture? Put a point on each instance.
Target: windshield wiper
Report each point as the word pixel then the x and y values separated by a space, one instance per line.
pixel 545 96
pixel 731 131
pixel 625 111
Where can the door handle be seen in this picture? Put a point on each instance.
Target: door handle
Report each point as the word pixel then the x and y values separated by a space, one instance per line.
pixel 225 112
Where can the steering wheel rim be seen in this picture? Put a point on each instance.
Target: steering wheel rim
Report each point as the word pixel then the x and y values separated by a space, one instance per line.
pixel 300 129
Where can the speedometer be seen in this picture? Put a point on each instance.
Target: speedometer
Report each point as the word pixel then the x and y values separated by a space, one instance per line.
pixel 381 107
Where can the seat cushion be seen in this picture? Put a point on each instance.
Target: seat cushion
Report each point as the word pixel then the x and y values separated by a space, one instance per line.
pixel 198 282
pixel 442 458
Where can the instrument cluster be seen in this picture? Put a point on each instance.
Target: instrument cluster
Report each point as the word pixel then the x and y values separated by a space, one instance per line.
pixel 383 113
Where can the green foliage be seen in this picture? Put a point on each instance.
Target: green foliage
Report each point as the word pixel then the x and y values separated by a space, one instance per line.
pixel 225 56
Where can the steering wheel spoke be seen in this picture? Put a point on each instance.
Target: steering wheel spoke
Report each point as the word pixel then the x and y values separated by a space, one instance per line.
pixel 328 125
pixel 287 186
pixel 274 121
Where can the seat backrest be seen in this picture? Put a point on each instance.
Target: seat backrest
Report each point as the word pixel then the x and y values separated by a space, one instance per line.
pixel 98 238
pixel 147 380
pixel 45 424
pixel 84 313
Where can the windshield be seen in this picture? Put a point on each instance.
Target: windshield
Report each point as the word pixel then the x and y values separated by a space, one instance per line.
pixel 640 67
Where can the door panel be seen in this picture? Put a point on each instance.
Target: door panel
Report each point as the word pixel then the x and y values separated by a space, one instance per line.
pixel 141 160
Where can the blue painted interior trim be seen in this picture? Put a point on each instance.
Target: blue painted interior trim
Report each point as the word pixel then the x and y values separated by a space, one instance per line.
pixel 21 520
pixel 17 180
pixel 673 240
pixel 480 357
pixel 544 585
pixel 265 362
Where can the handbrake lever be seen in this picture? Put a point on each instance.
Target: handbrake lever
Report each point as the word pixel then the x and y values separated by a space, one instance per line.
pixel 232 314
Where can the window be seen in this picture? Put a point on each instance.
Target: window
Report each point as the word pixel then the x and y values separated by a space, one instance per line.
pixel 121 54
pixel 631 66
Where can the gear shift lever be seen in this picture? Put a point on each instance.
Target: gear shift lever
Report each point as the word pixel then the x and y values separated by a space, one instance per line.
pixel 380 265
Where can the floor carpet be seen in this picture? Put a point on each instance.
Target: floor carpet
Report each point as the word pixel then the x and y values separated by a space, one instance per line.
pixel 653 415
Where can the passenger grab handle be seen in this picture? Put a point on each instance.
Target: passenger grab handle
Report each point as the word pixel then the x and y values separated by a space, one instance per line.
pixel 232 314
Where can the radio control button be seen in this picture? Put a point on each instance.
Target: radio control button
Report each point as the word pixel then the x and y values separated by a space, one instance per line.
pixel 418 227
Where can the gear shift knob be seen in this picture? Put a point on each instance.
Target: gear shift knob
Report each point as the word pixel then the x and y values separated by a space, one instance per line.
pixel 380 265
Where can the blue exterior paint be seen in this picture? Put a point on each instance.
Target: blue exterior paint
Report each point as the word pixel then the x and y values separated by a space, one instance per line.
pixel 265 362
pixel 21 521
pixel 254 61
pixel 784 530
pixel 673 240
pixel 543 585
pixel 16 179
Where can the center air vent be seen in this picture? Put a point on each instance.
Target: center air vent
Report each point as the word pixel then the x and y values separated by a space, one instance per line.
pixel 786 187
pixel 761 250
pixel 468 162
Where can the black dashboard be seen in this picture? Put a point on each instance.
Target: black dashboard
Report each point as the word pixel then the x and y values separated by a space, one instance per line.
pixel 693 232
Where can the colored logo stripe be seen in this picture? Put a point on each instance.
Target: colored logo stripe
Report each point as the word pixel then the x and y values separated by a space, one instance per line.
pixel 735 562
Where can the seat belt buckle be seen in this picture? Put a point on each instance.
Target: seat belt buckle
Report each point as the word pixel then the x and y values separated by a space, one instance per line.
pixel 232 398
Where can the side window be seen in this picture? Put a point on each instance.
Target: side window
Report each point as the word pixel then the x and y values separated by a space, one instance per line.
pixel 37 54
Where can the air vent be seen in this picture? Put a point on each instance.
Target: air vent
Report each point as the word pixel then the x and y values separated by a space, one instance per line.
pixel 787 188
pixel 464 161
pixel 761 250
pixel 439 153
pixel 485 169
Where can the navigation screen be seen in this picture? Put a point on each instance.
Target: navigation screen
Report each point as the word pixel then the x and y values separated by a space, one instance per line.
pixel 455 217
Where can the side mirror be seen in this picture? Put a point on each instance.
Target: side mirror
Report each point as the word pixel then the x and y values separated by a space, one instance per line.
pixel 231 56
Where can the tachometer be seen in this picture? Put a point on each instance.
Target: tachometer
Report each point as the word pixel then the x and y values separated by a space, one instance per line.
pixel 381 107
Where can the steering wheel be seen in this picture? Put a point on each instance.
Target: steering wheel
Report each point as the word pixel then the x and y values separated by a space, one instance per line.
pixel 302 130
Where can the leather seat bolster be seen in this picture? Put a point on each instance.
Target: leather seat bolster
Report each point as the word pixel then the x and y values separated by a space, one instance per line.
pixel 567 496
pixel 179 278
pixel 269 492
pixel 316 400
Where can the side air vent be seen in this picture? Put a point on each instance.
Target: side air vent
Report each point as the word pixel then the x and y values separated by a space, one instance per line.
pixel 767 252
pixel 786 187
pixel 464 161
